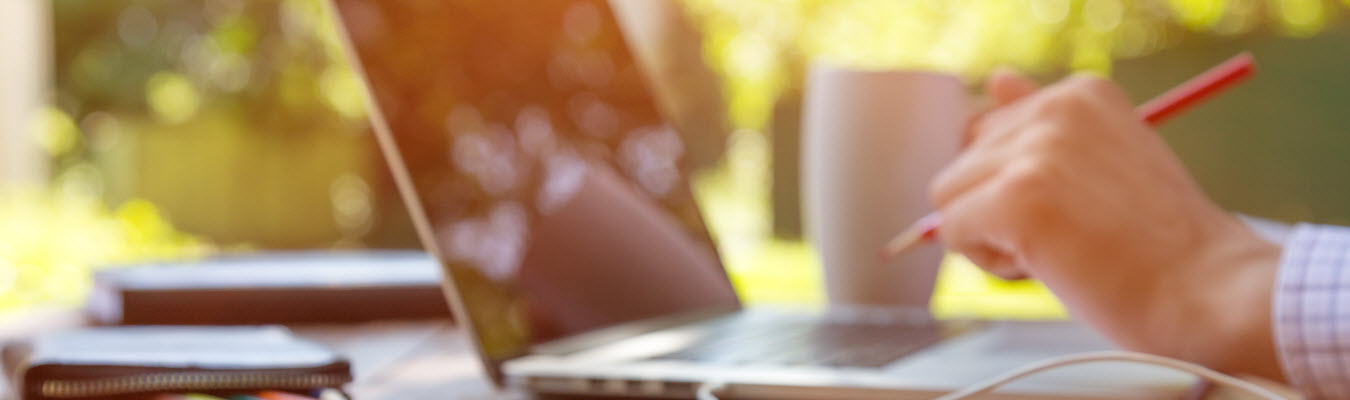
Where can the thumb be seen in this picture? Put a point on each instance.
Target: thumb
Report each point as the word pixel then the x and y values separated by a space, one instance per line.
pixel 1006 86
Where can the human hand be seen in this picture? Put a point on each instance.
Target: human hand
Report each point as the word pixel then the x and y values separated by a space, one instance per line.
pixel 1067 185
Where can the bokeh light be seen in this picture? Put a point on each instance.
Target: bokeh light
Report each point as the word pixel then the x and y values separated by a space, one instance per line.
pixel 753 43
pixel 269 77
pixel 50 241
pixel 172 97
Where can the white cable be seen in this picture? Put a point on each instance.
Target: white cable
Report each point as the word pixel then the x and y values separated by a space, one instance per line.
pixel 708 390
pixel 1056 362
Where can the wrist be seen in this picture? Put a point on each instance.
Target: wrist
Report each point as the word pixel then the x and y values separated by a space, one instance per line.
pixel 1232 290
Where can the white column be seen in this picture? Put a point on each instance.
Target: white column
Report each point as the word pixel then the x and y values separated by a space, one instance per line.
pixel 25 65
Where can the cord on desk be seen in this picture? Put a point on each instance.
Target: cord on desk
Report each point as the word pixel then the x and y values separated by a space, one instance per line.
pixel 709 390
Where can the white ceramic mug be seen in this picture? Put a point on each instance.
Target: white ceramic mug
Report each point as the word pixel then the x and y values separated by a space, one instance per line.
pixel 872 140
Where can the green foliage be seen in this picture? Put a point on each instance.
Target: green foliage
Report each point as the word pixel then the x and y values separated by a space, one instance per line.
pixel 762 46
pixel 272 61
pixel 274 67
pixel 50 241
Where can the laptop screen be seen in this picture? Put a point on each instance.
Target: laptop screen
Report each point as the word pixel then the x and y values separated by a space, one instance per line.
pixel 548 182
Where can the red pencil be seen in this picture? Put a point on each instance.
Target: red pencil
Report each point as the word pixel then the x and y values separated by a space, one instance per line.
pixel 1154 112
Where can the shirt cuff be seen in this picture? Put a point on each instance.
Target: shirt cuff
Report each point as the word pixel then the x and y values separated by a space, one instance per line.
pixel 1312 310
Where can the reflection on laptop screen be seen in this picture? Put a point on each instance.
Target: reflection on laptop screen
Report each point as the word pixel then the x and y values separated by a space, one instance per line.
pixel 552 187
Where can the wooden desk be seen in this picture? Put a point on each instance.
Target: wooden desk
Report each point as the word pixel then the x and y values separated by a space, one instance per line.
pixel 400 360
pixel 408 360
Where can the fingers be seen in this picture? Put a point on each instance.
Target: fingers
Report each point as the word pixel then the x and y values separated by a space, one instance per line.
pixel 994 262
pixel 972 225
pixel 997 149
pixel 1006 86
pixel 969 170
pixel 1098 88
pixel 1007 272
pixel 994 196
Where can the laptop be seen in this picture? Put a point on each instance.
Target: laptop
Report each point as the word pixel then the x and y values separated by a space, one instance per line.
pixel 541 172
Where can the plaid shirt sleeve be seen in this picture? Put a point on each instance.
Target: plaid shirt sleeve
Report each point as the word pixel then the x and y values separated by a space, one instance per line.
pixel 1312 311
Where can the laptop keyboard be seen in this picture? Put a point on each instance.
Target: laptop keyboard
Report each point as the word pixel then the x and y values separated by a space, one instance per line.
pixel 808 343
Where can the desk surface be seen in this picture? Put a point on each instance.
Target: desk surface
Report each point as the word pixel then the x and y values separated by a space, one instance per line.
pixel 391 360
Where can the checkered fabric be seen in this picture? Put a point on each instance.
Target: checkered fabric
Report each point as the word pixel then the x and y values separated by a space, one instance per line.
pixel 1312 311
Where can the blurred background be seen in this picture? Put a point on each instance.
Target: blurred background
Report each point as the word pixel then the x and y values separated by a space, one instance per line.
pixel 135 130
